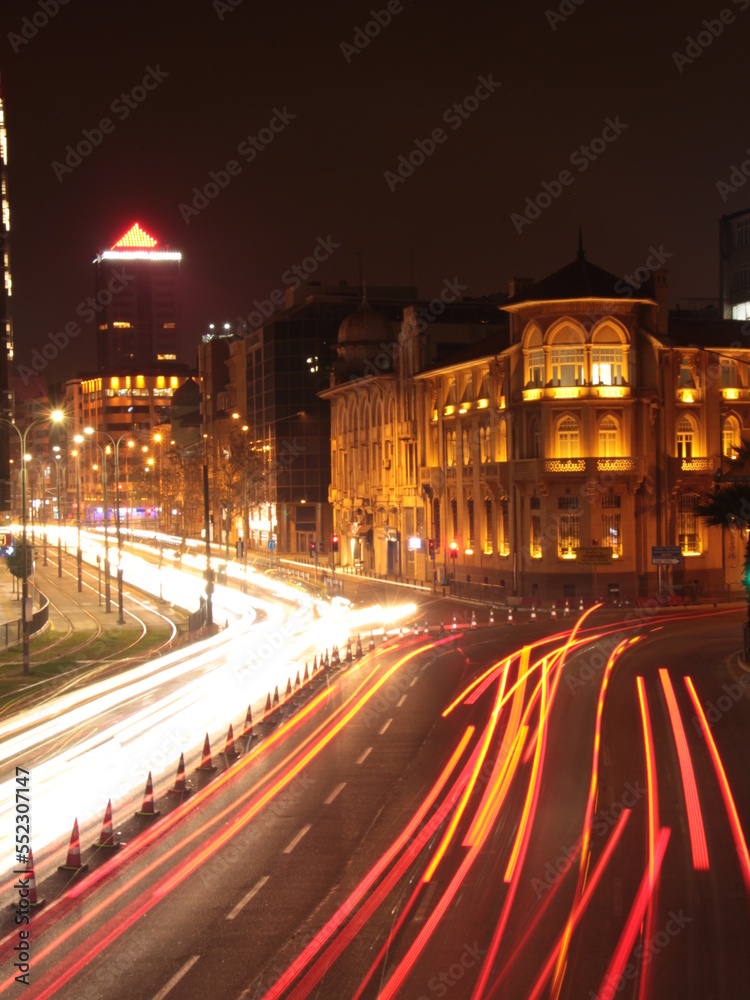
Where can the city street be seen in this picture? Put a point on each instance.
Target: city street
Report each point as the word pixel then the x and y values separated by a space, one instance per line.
pixel 307 868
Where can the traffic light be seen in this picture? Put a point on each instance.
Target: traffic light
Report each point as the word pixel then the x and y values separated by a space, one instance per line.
pixel 454 550
pixel 312 548
pixel 431 548
pixel 334 543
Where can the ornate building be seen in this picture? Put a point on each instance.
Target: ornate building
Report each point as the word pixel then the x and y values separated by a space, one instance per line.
pixel 555 458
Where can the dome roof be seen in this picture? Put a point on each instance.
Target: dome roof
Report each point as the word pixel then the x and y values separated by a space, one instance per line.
pixel 365 325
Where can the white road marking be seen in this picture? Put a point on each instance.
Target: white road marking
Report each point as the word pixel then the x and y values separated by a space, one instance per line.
pixel 290 847
pixel 384 727
pixel 401 700
pixel 246 899
pixel 334 793
pixel 363 756
pixel 414 681
pixel 177 977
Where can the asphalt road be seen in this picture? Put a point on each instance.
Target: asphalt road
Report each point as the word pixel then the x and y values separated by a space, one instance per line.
pixel 305 869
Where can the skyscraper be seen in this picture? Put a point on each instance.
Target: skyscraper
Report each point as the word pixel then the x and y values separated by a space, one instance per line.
pixel 6 323
pixel 137 301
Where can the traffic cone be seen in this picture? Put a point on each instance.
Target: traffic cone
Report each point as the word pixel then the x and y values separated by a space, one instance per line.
pixel 492 616
pixel 416 628
pixel 580 604
pixel 510 615
pixel 315 663
pixel 288 692
pixel 358 652
pixel 473 619
pixel 348 650
pixel 248 730
pixel 268 712
pixel 180 784
pixel 107 836
pixel 306 675
pixel 147 807
pixel 371 644
pixel 454 623
pixel 533 612
pixel 566 612
pixel 73 864
pixel 230 749
pixel 554 611
pixel 297 682
pixel 206 763
pixel 442 627
pixel 326 661
pixel 32 896
pixel 426 628
pixel 276 696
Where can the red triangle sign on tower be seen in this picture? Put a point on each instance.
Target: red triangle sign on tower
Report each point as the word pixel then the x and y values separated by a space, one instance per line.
pixel 135 238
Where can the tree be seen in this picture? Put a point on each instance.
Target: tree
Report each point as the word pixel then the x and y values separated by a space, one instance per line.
pixel 728 505
pixel 240 479
pixel 14 559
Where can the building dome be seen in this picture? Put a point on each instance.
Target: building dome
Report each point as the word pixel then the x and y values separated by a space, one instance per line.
pixel 365 326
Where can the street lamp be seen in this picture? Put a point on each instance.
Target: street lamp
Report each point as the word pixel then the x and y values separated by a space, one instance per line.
pixel 116 450
pixel 58 457
pixel 40 463
pixel 79 555
pixel 56 417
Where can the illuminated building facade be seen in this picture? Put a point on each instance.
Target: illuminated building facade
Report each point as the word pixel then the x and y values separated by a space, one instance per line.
pixel 594 423
pixel 6 322
pixel 137 302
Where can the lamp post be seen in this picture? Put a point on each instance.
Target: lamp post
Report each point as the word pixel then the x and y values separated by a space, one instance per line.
pixel 107 585
pixel 58 457
pixel 56 417
pixel 79 555
pixel 116 442
pixel 41 465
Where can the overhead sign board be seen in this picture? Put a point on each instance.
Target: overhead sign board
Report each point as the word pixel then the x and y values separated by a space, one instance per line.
pixel 594 555
pixel 666 555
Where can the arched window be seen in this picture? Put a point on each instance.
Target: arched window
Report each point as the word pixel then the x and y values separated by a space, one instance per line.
pixel 686 437
pixel 485 453
pixel 470 513
pixel 607 355
pixel 489 534
pixel 450 448
pixel 436 530
pixel 731 438
pixel 567 357
pixel 502 442
pixel 454 513
pixel 609 437
pixel 466 447
pixel 688 525
pixel 568 438
pixel 534 354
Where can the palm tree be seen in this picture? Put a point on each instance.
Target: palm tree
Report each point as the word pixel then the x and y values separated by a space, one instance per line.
pixel 728 505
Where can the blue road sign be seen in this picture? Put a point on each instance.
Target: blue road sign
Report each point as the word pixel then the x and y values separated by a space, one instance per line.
pixel 666 555
pixel 271 543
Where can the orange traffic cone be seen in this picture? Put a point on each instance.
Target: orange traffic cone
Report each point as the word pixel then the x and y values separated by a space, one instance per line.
pixel 315 663
pixel 296 682
pixel 580 604
pixel 230 750
pixel 32 896
pixel 180 785
pixel 268 718
pixel 107 836
pixel 359 647
pixel 554 611
pixel 454 623
pixel 371 644
pixel 248 730
pixel 533 612
pixel 348 650
pixel 147 808
pixel 288 692
pixel 73 864
pixel 510 614
pixel 426 627
pixel 276 696
pixel 566 612
pixel 492 616
pixel 206 763
pixel 306 675
pixel 473 619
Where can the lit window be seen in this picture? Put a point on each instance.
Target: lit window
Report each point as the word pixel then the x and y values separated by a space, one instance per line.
pixel 731 438
pixel 567 365
pixel 568 526
pixel 606 367
pixel 689 536
pixel 609 433
pixel 685 438
pixel 568 438
pixel 612 524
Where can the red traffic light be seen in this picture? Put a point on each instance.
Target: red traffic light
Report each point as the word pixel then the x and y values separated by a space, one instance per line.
pixel 334 543
pixel 454 550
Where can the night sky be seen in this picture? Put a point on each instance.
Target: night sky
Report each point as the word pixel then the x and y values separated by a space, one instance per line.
pixel 225 69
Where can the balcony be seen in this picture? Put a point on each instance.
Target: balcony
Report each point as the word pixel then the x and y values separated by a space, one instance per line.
pixel 697 470
pixel 576 392
pixel 549 471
